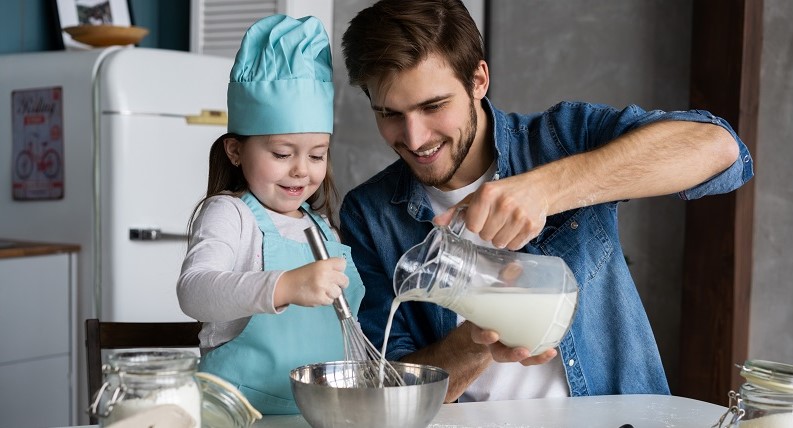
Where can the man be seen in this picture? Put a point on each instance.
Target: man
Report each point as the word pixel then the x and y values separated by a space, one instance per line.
pixel 544 183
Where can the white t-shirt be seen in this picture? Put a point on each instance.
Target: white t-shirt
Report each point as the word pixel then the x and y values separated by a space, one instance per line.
pixel 502 381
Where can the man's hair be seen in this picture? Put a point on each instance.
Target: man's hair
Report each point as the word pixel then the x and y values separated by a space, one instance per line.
pixel 396 35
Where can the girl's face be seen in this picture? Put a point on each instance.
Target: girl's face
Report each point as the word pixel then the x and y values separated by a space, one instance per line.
pixel 282 170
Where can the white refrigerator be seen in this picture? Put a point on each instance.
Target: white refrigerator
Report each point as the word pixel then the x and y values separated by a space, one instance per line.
pixel 108 149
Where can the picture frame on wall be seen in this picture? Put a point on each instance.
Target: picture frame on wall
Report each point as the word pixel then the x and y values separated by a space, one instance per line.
pixel 72 13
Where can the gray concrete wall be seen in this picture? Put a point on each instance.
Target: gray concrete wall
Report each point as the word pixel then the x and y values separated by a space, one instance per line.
pixel 771 328
pixel 357 150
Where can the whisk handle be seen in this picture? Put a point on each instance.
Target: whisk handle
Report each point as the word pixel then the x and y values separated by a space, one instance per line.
pixel 320 252
pixel 316 243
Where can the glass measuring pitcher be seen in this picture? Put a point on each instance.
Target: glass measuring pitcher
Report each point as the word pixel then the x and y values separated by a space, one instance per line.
pixel 528 299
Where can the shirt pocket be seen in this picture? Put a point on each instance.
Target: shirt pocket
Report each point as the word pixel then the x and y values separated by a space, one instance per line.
pixel 580 239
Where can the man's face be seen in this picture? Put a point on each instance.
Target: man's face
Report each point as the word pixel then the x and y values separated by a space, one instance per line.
pixel 428 118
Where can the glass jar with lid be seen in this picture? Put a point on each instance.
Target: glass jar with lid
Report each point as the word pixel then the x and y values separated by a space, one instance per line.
pixel 765 400
pixel 136 381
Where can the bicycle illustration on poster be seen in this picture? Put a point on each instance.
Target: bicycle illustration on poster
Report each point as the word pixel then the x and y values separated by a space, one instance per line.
pixel 37 135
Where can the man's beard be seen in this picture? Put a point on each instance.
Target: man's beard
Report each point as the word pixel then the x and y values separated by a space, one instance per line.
pixel 458 155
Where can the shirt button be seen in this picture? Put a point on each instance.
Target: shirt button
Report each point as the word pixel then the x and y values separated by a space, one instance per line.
pixel 571 363
pixel 573 225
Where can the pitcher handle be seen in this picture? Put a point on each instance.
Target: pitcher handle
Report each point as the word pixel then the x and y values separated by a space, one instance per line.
pixel 457 225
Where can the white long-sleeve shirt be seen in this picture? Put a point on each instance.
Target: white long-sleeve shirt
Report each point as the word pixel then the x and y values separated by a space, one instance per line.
pixel 222 282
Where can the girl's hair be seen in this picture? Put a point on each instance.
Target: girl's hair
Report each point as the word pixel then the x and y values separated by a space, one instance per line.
pixel 224 177
pixel 395 35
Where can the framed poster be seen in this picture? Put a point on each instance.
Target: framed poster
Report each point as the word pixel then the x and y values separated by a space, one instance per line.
pixel 90 12
pixel 37 141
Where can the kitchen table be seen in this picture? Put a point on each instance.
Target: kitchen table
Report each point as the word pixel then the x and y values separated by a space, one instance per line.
pixel 609 411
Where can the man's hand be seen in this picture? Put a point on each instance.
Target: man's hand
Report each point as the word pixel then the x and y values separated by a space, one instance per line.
pixel 506 212
pixel 504 354
pixel 458 355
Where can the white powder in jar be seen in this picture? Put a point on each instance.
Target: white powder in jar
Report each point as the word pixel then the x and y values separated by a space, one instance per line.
pixel 779 420
pixel 187 396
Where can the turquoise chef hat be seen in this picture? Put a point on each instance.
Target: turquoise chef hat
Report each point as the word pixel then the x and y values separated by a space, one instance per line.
pixel 282 79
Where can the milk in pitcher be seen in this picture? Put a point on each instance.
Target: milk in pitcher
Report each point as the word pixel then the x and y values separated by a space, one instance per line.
pixel 533 319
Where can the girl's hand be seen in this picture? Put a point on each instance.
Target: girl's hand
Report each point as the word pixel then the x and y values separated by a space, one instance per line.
pixel 315 284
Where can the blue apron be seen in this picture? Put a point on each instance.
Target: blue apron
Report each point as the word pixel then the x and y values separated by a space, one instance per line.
pixel 259 360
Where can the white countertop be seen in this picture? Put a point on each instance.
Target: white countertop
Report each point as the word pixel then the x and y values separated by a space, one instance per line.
pixel 610 411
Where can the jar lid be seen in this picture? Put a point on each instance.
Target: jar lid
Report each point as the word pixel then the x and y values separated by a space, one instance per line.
pixel 161 361
pixel 769 374
pixel 223 405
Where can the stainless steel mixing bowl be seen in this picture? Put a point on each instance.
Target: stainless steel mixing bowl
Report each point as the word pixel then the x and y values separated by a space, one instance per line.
pixel 328 397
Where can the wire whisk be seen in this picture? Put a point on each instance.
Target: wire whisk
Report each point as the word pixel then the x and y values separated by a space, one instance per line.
pixel 378 373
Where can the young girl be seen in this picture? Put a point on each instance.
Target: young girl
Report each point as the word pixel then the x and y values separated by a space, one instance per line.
pixel 249 273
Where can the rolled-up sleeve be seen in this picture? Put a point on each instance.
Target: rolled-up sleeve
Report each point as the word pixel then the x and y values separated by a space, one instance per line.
pixel 735 176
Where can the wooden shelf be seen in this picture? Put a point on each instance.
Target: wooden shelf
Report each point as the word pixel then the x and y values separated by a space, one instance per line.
pixel 10 248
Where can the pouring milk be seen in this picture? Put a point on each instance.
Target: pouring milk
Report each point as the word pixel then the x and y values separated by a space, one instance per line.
pixel 528 299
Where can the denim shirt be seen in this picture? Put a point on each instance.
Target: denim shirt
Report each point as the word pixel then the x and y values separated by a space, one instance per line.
pixel 610 348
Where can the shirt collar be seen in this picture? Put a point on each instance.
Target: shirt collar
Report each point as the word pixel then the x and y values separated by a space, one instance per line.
pixel 499 138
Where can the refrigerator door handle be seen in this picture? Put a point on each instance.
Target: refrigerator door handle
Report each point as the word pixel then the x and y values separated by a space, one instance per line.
pixel 154 234
pixel 208 117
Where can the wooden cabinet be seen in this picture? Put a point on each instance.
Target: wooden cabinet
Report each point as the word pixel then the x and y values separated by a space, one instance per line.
pixel 37 334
